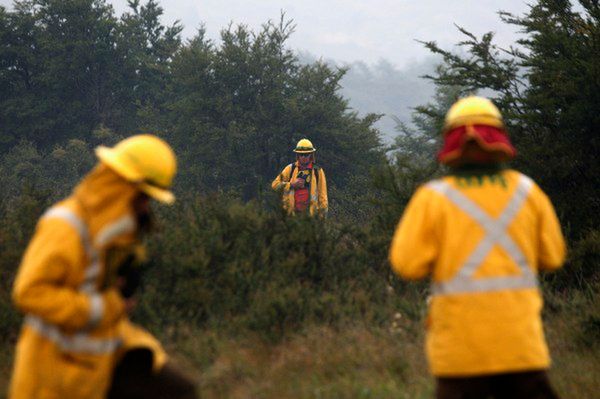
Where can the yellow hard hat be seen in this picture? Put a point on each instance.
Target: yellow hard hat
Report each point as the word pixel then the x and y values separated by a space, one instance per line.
pixel 146 160
pixel 304 146
pixel 473 110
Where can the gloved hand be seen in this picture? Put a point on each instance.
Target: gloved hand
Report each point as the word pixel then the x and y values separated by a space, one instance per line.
pixel 124 269
pixel 298 183
pixel 130 274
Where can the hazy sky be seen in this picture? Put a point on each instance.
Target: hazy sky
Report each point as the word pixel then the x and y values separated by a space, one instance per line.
pixel 350 30
pixel 369 31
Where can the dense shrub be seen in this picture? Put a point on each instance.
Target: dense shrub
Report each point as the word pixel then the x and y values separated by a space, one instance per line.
pixel 581 270
pixel 220 263
pixel 223 263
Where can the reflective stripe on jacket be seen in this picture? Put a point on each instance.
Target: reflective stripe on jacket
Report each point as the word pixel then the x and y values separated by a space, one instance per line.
pixel 483 243
pixel 73 333
pixel 318 195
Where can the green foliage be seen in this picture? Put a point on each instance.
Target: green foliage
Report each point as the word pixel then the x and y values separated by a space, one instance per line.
pixel 72 70
pixel 235 265
pixel 25 168
pixel 419 142
pixel 238 110
pixel 67 67
pixel 74 75
pixel 581 271
pixel 411 158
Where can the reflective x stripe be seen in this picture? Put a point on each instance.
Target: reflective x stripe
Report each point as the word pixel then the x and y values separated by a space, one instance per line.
pixel 126 224
pixel 68 215
pixel 92 271
pixel 82 342
pixel 97 309
pixel 123 225
pixel 496 233
pixel 79 342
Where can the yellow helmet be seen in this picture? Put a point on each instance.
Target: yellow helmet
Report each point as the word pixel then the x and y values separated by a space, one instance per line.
pixel 473 110
pixel 145 160
pixel 304 146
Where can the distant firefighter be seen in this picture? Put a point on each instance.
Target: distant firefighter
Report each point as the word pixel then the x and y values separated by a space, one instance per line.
pixel 483 233
pixel 303 183
pixel 76 281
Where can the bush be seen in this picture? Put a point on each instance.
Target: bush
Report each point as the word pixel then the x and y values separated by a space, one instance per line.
pixel 240 267
pixel 581 269
pixel 220 262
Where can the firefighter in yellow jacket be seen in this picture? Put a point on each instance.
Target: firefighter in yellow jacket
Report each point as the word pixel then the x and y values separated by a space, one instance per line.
pixel 303 183
pixel 482 233
pixel 77 341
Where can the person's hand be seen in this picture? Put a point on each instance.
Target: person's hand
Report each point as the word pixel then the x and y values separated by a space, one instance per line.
pixel 130 302
pixel 298 183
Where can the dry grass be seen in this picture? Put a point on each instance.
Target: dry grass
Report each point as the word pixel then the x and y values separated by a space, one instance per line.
pixel 318 363
pixel 360 362
pixel 355 362
pixel 575 352
pixel 6 354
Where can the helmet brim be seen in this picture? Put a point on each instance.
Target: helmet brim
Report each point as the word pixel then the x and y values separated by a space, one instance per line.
pixel 489 139
pixel 472 120
pixel 305 151
pixel 159 194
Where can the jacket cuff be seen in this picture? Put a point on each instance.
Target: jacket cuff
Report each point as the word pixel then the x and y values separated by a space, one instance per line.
pixel 113 308
pixel 96 310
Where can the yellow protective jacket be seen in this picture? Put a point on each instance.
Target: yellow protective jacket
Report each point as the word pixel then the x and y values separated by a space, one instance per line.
pixel 75 328
pixel 318 192
pixel 482 239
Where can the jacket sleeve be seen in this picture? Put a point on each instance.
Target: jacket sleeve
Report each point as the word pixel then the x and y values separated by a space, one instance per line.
pixel 414 245
pixel 282 181
pixel 323 201
pixel 40 287
pixel 135 337
pixel 552 249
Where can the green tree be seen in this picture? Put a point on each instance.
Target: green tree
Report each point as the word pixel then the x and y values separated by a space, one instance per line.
pixel 239 108
pixel 69 66
pixel 147 49
pixel 411 159
pixel 59 71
